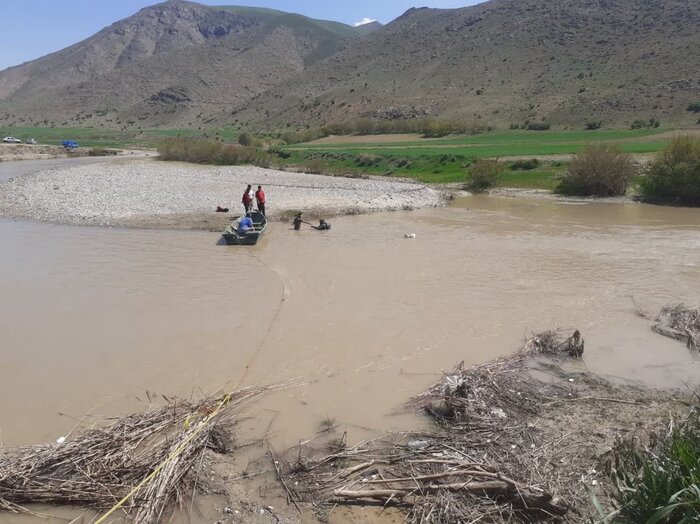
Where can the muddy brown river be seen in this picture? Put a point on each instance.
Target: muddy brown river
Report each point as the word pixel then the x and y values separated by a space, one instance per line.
pixel 352 321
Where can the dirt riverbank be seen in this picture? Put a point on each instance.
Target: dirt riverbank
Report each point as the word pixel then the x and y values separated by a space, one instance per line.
pixel 168 195
pixel 14 152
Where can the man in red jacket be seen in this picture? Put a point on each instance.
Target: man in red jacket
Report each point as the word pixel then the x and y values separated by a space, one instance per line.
pixel 247 199
pixel 260 198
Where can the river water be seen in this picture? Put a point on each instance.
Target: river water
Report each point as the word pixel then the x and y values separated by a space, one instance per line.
pixel 353 321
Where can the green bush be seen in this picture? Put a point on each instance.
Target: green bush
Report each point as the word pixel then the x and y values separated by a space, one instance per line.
pixel 290 137
pixel 101 151
pixel 429 127
pixel 525 165
pixel 598 171
pixel 484 174
pixel 593 125
pixel 368 160
pixel 660 484
pixel 314 167
pixel 231 155
pixel 189 150
pixel 245 139
pixel 401 162
pixel 675 173
pixel 281 153
pixel 205 152
pixel 694 107
pixel 538 126
pixel 643 124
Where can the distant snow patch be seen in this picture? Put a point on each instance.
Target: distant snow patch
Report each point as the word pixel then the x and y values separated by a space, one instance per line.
pixel 364 21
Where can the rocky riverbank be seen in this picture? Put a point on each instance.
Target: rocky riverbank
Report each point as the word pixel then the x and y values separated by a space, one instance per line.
pixel 155 194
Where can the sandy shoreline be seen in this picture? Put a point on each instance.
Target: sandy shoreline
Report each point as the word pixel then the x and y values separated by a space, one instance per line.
pixel 173 195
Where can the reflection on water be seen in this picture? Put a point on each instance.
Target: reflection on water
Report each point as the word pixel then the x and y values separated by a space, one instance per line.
pixel 355 320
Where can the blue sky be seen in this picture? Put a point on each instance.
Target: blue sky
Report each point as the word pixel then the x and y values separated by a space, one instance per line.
pixel 33 29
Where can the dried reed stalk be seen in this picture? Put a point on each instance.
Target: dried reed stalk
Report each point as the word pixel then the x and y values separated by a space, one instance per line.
pixel 101 465
pixel 488 462
pixel 680 322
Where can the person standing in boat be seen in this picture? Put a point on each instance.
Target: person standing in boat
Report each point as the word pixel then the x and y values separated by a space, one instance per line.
pixel 260 199
pixel 247 199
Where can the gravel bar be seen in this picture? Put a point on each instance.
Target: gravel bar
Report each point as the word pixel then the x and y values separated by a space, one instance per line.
pixel 151 193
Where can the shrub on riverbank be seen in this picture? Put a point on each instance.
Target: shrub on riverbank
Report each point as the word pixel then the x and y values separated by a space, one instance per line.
pixel 660 483
pixel 102 151
pixel 675 173
pixel 205 152
pixel 428 127
pixel 484 174
pixel 525 165
pixel 598 171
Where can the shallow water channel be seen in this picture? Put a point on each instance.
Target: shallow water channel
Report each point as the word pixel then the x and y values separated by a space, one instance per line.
pixel 353 321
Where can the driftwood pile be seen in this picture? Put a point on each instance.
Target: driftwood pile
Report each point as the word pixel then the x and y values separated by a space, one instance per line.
pixel 101 465
pixel 488 462
pixel 680 322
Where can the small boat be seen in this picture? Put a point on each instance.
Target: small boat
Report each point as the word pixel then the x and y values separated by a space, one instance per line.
pixel 233 236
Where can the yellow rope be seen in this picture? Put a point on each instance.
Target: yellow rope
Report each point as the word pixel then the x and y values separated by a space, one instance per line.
pixel 176 452
pixel 223 402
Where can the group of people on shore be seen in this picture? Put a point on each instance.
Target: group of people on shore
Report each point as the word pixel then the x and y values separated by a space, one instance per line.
pixel 259 197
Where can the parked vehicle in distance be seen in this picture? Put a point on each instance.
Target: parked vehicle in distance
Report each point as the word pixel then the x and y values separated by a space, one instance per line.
pixel 11 140
pixel 31 141
pixel 70 144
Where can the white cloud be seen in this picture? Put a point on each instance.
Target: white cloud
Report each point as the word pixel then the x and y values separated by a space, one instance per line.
pixel 364 21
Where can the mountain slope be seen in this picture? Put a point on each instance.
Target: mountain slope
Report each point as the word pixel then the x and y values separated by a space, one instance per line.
pixel 506 61
pixel 503 62
pixel 177 59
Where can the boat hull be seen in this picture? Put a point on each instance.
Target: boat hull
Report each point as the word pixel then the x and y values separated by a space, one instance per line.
pixel 233 237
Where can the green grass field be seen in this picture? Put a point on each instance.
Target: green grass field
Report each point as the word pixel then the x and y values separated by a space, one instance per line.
pixel 429 168
pixel 487 150
pixel 443 160
pixel 498 138
pixel 446 160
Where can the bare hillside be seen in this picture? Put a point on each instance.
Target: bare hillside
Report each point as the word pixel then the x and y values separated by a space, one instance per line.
pixel 503 62
pixel 507 61
pixel 167 65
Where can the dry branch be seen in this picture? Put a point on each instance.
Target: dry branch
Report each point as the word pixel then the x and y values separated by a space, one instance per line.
pixel 479 466
pixel 101 465
pixel 680 322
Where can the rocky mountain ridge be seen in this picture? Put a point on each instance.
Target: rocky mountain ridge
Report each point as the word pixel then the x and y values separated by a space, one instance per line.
pixel 502 62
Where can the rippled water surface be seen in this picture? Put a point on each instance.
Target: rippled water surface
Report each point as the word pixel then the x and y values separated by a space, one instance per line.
pixel 355 320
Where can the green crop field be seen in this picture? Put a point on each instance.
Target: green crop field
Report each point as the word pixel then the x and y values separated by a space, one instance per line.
pixel 510 143
pixel 443 160
pixel 446 160
pixel 485 151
